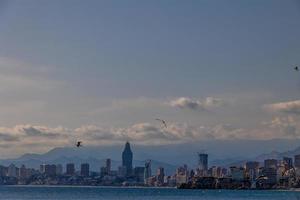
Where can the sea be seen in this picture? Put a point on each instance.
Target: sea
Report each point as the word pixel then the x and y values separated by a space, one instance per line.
pixel 113 193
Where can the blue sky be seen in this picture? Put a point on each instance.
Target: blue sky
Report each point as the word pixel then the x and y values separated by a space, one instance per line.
pixel 121 64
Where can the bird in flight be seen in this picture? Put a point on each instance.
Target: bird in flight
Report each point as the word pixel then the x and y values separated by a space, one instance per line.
pixel 296 68
pixel 79 144
pixel 163 122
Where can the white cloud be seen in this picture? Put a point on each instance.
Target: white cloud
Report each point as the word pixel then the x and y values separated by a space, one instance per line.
pixel 206 104
pixel 290 107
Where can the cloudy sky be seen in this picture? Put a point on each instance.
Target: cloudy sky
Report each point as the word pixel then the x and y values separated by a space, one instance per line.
pixel 102 71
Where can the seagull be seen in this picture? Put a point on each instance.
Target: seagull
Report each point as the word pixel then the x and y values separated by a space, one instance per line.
pixel 163 122
pixel 79 144
pixel 296 68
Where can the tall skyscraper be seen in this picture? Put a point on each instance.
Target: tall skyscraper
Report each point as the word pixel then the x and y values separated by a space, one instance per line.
pixel 297 161
pixel 160 175
pixel 127 159
pixel 12 170
pixel 108 165
pixel 147 171
pixel 59 169
pixel 270 163
pixel 50 170
pixel 203 161
pixel 288 162
pixel 85 169
pixel 70 169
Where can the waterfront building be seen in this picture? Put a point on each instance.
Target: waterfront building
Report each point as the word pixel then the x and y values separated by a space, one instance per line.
pixel 70 169
pixel 127 159
pixel 122 171
pixel 22 172
pixel 12 171
pixel 85 170
pixel 288 162
pixel 50 170
pixel 160 174
pixel 270 163
pixel 252 168
pixel 108 165
pixel 147 171
pixel 42 168
pixel 271 174
pixel 139 174
pixel 237 173
pixel 59 169
pixel 203 161
pixel 297 161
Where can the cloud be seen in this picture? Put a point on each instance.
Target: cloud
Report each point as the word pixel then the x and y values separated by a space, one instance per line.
pixel 290 107
pixel 288 126
pixel 206 104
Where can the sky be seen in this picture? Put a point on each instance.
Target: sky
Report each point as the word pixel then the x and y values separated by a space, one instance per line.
pixel 103 71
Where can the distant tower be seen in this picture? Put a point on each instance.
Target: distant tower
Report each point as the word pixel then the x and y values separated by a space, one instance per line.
pixel 70 169
pixel 85 169
pixel 127 159
pixel 203 160
pixel 297 161
pixel 160 174
pixel 147 171
pixel 108 165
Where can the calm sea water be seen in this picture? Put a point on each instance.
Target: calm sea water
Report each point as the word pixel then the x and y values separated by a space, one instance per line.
pixel 99 193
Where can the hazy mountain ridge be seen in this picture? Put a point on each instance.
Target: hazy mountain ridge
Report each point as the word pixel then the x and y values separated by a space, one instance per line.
pixel 221 153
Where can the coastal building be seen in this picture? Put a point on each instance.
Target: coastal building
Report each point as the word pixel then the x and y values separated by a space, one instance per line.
pixel 59 169
pixel 139 174
pixel 252 168
pixel 270 163
pixel 147 171
pixel 203 161
pixel 160 174
pixel 297 161
pixel 50 170
pixel 70 169
pixel 288 162
pixel 108 165
pixel 127 159
pixel 85 170
pixel 12 171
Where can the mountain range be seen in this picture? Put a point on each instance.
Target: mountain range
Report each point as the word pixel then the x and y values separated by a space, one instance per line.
pixel 221 153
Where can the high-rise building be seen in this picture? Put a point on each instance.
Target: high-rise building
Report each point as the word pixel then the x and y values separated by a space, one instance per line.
pixel 22 172
pixel 70 169
pixel 297 161
pixel 122 171
pixel 50 170
pixel 147 172
pixel 237 173
pixel 203 161
pixel 85 169
pixel 139 174
pixel 288 162
pixel 127 159
pixel 270 163
pixel 12 170
pixel 252 170
pixel 108 165
pixel 59 169
pixel 42 168
pixel 160 174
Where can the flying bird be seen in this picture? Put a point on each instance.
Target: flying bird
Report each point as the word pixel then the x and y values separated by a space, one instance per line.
pixel 296 68
pixel 79 144
pixel 163 122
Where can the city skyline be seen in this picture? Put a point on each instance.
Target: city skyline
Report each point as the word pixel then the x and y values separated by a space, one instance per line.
pixel 102 72
pixel 271 173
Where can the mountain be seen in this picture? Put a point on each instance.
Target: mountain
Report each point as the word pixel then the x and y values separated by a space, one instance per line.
pixel 221 153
